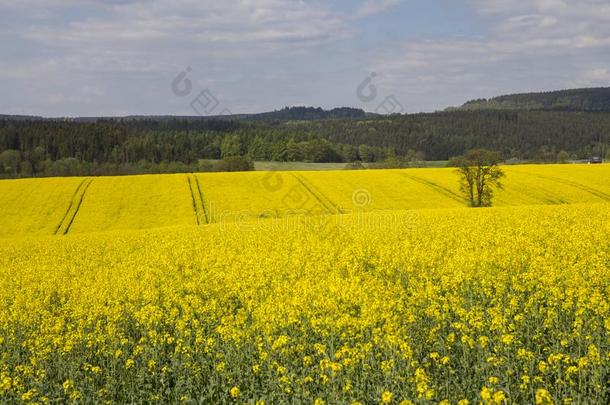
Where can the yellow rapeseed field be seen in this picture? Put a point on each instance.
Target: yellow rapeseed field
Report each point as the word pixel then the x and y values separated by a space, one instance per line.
pixel 493 305
pixel 439 188
pixel 245 196
pixel 135 202
pixel 322 288
pixel 34 206
pixel 78 205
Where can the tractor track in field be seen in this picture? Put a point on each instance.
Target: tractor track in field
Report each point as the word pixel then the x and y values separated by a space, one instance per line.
pixel 566 182
pixel 321 198
pixel 200 193
pixel 193 201
pixel 440 189
pixel 201 215
pixel 75 203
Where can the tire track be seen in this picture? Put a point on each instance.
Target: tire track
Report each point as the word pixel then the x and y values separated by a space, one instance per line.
pixel 194 202
pixel 201 216
pixel 322 199
pixel 70 205
pixel 582 187
pixel 77 200
pixel 440 189
pixel 201 199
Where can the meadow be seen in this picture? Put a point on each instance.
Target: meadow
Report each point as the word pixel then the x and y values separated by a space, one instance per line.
pixel 309 287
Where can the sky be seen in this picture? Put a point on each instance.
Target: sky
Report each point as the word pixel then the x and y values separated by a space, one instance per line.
pixel 210 57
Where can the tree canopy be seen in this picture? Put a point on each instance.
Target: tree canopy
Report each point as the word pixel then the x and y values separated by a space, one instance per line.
pixel 479 175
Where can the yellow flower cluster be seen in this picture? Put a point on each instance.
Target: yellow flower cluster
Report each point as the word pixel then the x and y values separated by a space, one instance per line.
pixel 478 306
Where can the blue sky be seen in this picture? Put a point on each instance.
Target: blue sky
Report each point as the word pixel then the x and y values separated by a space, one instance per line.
pixel 119 57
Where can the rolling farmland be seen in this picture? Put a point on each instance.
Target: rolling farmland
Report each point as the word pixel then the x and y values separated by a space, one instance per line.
pixel 298 202
pixel 310 287
pixel 32 206
pixel 79 205
pixel 135 203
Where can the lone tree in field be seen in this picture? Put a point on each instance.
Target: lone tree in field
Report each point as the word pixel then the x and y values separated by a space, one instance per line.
pixel 479 175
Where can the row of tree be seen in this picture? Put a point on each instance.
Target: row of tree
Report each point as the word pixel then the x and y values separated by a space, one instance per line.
pixel 14 165
pixel 589 99
pixel 544 136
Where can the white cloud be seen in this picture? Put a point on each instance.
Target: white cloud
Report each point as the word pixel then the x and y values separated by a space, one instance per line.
pixel 158 35
pixel 518 6
pixel 533 45
pixel 248 22
pixel 138 46
pixel 370 7
pixel 599 77
pixel 107 54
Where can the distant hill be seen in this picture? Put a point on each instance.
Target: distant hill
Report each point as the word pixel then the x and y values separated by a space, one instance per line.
pixel 540 127
pixel 590 99
pixel 309 113
pixel 20 117
pixel 285 114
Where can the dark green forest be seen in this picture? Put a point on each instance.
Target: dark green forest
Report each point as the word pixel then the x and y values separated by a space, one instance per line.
pixel 591 99
pixel 38 147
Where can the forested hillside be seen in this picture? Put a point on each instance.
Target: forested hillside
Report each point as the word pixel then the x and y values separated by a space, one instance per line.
pixel 31 147
pixel 592 99
pixel 308 114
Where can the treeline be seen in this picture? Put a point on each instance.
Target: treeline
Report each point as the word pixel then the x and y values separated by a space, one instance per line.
pixel 308 114
pixel 110 146
pixel 591 99
pixel 14 164
pixel 515 134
